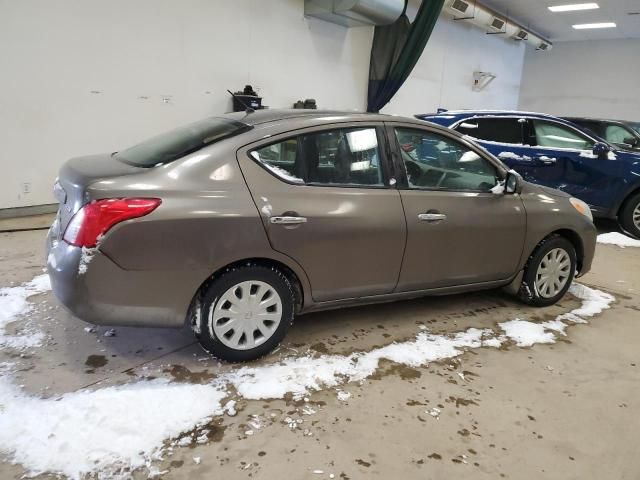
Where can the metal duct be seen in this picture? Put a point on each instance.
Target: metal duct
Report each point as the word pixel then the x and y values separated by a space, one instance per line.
pixel 355 13
pixel 493 22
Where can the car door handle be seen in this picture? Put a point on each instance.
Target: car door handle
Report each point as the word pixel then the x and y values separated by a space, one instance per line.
pixel 432 217
pixel 547 160
pixel 287 220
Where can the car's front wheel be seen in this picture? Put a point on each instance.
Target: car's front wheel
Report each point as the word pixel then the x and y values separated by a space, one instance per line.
pixel 549 272
pixel 245 313
pixel 630 216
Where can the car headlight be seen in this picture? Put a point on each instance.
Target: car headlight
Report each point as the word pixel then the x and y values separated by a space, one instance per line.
pixel 582 207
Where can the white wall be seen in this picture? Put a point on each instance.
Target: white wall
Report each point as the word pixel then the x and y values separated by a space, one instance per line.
pixel 444 74
pixel 88 76
pixel 599 78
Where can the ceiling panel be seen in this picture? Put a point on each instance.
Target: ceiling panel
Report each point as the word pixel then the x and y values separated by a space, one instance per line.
pixel 558 26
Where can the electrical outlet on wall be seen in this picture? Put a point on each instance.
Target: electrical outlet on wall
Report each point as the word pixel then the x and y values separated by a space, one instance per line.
pixel 26 187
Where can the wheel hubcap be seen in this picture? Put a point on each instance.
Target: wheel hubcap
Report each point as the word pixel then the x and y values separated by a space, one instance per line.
pixel 636 216
pixel 246 315
pixel 553 273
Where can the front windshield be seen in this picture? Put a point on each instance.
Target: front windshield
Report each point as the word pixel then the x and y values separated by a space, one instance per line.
pixel 182 141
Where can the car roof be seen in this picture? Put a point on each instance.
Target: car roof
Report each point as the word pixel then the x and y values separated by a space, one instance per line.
pixel 593 119
pixel 487 113
pixel 268 115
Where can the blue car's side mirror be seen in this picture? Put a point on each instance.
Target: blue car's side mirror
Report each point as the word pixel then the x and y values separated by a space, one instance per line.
pixel 601 149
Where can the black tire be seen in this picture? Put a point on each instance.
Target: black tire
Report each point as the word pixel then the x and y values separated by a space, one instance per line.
pixel 211 295
pixel 626 216
pixel 528 291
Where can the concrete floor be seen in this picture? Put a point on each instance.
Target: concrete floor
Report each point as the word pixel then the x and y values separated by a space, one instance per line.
pixel 561 411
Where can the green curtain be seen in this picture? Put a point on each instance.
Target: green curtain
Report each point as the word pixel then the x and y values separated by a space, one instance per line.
pixel 395 51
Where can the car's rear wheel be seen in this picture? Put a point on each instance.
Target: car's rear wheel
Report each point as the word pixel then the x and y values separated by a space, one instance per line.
pixel 630 216
pixel 549 272
pixel 245 313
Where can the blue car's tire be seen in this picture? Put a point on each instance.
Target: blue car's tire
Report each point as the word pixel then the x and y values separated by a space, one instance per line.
pixel 630 216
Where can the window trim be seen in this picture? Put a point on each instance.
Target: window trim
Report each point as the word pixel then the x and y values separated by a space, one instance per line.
pixel 400 169
pixel 247 150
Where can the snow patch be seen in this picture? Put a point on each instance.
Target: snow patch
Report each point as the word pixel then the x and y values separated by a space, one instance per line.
pixel 110 431
pixel 102 430
pixel 526 333
pixel 616 238
pixel 13 304
pixel 85 258
pixel 512 156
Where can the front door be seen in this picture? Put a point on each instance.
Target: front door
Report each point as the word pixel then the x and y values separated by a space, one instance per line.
pixel 325 201
pixel 458 231
pixel 565 160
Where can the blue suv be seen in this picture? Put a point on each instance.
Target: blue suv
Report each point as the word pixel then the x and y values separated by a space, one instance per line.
pixel 556 153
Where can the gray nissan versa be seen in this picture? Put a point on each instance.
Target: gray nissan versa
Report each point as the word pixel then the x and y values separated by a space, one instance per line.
pixel 237 223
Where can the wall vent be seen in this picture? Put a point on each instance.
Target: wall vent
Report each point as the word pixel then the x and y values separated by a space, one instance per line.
pixel 460 6
pixel 497 24
pixel 494 22
pixel 521 35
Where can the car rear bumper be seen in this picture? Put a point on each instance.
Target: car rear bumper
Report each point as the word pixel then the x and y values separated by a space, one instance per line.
pixel 95 289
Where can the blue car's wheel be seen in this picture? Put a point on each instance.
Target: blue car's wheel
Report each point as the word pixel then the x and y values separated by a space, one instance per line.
pixel 630 216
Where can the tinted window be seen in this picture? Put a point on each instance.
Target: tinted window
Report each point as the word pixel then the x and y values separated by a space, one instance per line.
pixel 556 135
pixel 182 141
pixel 335 157
pixel 502 130
pixel 437 162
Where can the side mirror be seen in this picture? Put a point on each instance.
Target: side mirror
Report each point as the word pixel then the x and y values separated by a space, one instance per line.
pixel 633 141
pixel 601 149
pixel 512 183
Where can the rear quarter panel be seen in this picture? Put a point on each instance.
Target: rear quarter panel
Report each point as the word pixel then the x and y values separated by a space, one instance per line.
pixel 206 221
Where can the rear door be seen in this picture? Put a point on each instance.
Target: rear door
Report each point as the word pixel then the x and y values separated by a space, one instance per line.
pixel 325 201
pixel 505 138
pixel 458 231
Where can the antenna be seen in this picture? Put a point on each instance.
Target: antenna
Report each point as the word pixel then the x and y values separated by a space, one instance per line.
pixel 247 108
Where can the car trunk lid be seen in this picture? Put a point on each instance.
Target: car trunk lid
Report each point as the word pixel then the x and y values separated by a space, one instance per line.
pixel 76 175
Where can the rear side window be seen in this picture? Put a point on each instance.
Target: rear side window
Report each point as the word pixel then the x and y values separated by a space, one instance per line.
pixel 170 146
pixel 334 157
pixel 556 135
pixel 493 129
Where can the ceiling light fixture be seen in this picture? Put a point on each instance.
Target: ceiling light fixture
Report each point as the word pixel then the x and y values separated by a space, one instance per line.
pixel 574 7
pixel 587 26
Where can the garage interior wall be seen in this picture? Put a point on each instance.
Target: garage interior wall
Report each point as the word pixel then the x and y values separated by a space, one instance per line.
pixel 85 76
pixel 601 82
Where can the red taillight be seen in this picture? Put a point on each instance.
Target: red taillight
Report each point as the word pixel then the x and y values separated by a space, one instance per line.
pixel 96 218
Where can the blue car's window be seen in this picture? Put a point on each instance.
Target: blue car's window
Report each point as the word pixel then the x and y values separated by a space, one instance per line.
pixel 182 141
pixel 556 135
pixel 617 134
pixel 436 162
pixel 493 129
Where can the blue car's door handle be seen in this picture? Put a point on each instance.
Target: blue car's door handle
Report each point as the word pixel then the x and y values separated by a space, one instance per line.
pixel 546 160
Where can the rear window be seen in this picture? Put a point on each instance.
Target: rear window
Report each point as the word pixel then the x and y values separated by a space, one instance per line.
pixel 170 146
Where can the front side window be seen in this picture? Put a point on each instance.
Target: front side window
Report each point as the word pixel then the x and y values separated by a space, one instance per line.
pixel 347 156
pixel 434 161
pixel 617 134
pixel 493 129
pixel 556 135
